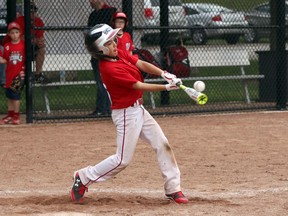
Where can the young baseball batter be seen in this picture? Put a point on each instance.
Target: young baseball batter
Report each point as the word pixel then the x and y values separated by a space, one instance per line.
pixel 14 57
pixel 122 77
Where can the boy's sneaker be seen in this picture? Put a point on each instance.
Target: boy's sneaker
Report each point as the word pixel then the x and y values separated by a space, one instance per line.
pixel 178 197
pixel 78 189
pixel 6 120
pixel 41 78
pixel 16 121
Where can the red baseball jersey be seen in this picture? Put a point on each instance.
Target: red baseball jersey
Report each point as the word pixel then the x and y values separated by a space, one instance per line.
pixel 15 57
pixel 119 76
pixel 125 42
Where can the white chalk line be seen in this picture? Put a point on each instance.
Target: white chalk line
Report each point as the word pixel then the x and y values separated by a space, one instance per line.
pixel 153 193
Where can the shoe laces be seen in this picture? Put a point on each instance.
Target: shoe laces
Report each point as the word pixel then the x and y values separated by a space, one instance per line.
pixel 177 195
pixel 79 187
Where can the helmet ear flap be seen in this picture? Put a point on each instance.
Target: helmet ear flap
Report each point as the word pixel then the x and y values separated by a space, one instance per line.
pixel 105 50
pixel 96 37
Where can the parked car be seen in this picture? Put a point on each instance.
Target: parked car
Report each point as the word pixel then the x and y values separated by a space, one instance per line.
pixel 152 19
pixel 213 21
pixel 260 16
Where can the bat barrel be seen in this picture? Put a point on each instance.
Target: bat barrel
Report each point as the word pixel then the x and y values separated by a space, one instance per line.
pixel 202 99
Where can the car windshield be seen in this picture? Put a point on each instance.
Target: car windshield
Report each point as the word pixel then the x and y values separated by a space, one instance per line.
pixel 213 8
pixel 266 9
pixel 156 3
pixel 263 8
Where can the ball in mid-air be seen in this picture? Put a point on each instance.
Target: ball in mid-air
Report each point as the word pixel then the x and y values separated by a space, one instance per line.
pixel 199 86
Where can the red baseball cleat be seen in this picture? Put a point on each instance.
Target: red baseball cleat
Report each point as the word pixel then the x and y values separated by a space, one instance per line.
pixel 178 197
pixel 78 189
pixel 16 121
pixel 6 120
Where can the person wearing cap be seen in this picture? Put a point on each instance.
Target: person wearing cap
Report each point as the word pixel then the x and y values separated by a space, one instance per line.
pixel 37 39
pixel 102 13
pixel 14 57
pixel 124 40
pixel 121 74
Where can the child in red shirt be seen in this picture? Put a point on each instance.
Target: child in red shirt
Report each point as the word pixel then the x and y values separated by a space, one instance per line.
pixel 121 75
pixel 124 40
pixel 14 57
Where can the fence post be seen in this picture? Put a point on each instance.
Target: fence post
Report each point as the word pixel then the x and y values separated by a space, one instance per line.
pixel 278 43
pixel 28 77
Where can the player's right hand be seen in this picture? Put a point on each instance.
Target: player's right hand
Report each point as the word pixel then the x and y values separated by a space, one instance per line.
pixel 171 87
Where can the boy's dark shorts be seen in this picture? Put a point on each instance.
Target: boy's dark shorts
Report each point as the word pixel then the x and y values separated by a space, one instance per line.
pixel 12 95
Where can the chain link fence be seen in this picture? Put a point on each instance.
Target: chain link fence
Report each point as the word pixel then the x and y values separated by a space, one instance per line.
pixel 232 46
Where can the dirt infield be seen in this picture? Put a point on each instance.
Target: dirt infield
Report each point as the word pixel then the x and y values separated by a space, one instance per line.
pixel 234 164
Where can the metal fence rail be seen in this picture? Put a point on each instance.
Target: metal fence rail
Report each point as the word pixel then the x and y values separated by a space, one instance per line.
pixel 239 75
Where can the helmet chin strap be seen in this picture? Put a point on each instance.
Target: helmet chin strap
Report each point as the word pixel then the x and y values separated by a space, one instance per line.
pixel 101 55
pixel 116 57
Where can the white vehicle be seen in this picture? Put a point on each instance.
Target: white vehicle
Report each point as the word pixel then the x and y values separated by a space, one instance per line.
pixel 152 19
pixel 213 21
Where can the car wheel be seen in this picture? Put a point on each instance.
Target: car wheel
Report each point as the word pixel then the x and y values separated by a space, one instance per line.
pixel 251 36
pixel 233 39
pixel 199 36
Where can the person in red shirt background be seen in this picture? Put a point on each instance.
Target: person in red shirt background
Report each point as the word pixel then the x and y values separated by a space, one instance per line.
pixel 38 41
pixel 14 57
pixel 2 70
pixel 124 40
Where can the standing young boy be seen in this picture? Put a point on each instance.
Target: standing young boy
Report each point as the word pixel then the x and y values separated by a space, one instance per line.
pixel 124 40
pixel 14 57
pixel 122 77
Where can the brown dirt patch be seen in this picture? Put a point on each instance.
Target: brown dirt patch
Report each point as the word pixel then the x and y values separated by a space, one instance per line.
pixel 234 164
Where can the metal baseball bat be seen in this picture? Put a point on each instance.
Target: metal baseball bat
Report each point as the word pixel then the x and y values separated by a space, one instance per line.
pixel 199 97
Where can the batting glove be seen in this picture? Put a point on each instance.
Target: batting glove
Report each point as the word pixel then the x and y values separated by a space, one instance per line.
pixel 171 87
pixel 176 81
pixel 168 76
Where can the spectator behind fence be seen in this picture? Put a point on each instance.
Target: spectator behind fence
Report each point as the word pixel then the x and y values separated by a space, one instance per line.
pixel 102 13
pixel 38 42
pixel 3 66
pixel 19 11
pixel 14 57
pixel 124 40
pixel 2 70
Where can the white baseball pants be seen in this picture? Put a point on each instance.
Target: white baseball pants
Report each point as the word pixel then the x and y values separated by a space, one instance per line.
pixel 132 123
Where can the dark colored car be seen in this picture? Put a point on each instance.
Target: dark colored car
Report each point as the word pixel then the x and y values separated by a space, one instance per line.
pixel 260 16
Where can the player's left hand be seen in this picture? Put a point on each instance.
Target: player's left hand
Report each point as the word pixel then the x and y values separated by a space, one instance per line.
pixel 176 81
pixel 168 76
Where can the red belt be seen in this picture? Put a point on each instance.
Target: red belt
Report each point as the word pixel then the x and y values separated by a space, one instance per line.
pixel 138 102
